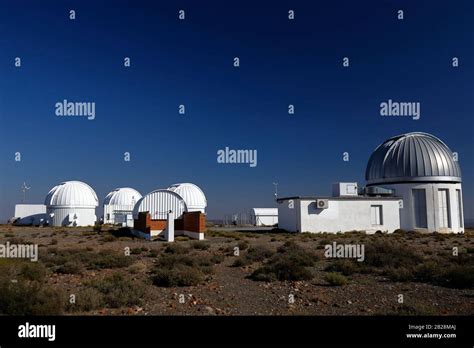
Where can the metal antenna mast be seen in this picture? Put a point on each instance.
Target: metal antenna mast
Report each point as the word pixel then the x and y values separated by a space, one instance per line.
pixel 276 189
pixel 24 188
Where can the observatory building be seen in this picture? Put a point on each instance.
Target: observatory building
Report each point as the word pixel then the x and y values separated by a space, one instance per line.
pixel 192 195
pixel 119 204
pixel 71 203
pixel 413 183
pixel 419 168
pixel 180 209
pixel 264 216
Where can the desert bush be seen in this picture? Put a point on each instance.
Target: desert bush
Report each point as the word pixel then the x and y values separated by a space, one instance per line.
pixel 136 251
pixel 459 277
pixel 119 291
pixel 69 267
pixel 200 245
pixel 253 254
pixel 335 279
pixel 108 259
pixel 382 253
pixel 28 295
pixel 291 263
pixel 243 245
pixel 346 267
pixel 33 271
pixel 400 274
pixel 179 275
pixel 176 248
pixel 87 299
pixel 97 227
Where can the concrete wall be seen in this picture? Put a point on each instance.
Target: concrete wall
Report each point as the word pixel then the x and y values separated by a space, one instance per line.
pixel 288 215
pixel 109 209
pixel 341 216
pixel 407 217
pixel 30 214
pixel 85 216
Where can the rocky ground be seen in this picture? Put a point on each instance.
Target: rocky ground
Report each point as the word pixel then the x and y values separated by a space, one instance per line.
pixel 274 274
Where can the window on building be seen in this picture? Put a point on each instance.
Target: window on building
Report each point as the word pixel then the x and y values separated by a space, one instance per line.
pixel 443 208
pixel 376 217
pixel 458 194
pixel 419 208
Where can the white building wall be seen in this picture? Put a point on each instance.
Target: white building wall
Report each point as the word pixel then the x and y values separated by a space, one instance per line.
pixel 288 215
pixel 110 209
pixel 29 214
pixel 85 216
pixel 340 216
pixel 407 214
pixel 264 220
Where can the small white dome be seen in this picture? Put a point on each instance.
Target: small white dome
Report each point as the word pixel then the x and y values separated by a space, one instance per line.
pixel 71 194
pixel 125 196
pixel 159 202
pixel 192 195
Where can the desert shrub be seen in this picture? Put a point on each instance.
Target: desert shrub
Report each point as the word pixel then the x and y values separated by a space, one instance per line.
pixel 182 270
pixel 33 271
pixel 87 299
pixel 217 258
pixel 176 248
pixel 427 271
pixel 346 267
pixel 264 274
pixel 200 245
pixel 28 295
pixel 108 259
pixel 335 279
pixel 179 275
pixel 119 291
pixel 136 251
pixel 53 241
pixel 69 267
pixel 253 254
pixel 413 309
pixel 291 263
pixel 400 274
pixel 153 253
pixel 383 253
pixel 97 227
pixel 459 277
pixel 243 245
pixel 108 238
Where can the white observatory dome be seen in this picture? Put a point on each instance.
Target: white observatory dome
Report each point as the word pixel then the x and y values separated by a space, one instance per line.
pixel 123 196
pixel 192 195
pixel 71 194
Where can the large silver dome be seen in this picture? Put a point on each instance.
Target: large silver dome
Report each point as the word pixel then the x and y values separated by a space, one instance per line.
pixel 412 157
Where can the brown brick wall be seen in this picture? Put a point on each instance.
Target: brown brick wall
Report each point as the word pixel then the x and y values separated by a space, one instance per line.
pixel 194 222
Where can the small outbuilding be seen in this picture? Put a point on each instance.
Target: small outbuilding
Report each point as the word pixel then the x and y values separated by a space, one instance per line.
pixel 164 213
pixel 119 204
pixel 29 214
pixel 264 216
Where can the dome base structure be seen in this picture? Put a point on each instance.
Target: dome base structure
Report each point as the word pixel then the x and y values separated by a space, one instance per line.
pixel 430 207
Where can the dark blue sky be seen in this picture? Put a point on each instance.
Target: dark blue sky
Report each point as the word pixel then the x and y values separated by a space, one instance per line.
pixel 190 62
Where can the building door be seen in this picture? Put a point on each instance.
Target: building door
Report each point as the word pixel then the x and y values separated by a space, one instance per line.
pixel 443 208
pixel 419 208
pixel 376 214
